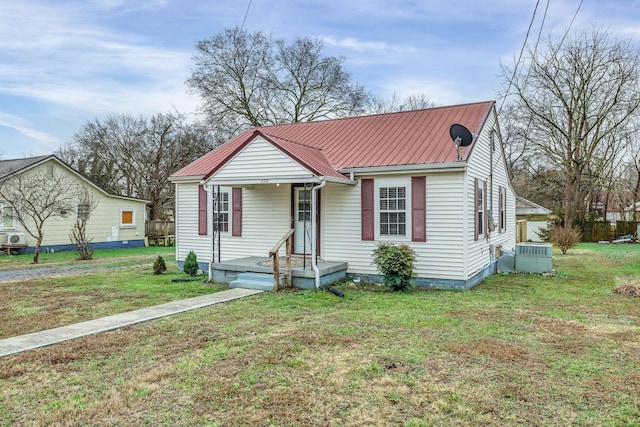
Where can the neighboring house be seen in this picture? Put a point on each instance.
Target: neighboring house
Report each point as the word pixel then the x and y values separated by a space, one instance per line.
pixel 116 222
pixel 533 218
pixel 345 185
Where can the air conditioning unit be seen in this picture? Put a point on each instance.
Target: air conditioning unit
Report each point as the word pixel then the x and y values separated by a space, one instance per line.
pixel 534 257
pixel 14 238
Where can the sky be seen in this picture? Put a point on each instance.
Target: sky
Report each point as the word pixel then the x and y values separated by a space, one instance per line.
pixel 64 63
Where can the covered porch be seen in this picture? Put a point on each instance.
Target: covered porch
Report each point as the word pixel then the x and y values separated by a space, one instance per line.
pixel 302 273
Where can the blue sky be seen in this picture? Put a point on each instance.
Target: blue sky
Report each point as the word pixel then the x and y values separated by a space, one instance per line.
pixel 64 62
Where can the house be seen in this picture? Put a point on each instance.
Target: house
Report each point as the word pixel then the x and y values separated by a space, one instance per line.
pixel 343 186
pixel 531 218
pixel 115 222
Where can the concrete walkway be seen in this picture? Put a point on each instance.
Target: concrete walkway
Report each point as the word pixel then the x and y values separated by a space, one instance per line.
pixel 52 336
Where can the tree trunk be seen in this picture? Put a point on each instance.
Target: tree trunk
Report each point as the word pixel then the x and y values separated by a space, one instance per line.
pixel 36 251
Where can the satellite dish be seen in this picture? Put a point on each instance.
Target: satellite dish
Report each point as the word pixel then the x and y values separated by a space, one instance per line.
pixel 461 136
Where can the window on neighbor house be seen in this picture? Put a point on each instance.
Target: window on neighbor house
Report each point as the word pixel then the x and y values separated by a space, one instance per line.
pixel 83 211
pixel 221 213
pixel 393 211
pixel 127 218
pixel 8 222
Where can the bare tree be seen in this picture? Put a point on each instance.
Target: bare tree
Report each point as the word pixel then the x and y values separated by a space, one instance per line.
pixel 87 203
pixel 573 103
pixel 38 196
pixel 249 79
pixel 134 156
pixel 381 105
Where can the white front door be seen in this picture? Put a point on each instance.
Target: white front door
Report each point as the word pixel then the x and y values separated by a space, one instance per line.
pixel 302 220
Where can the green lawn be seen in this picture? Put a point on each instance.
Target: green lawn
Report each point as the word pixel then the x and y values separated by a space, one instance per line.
pixel 515 350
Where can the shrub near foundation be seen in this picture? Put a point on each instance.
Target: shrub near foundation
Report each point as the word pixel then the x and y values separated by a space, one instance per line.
pixel 191 264
pixel 397 265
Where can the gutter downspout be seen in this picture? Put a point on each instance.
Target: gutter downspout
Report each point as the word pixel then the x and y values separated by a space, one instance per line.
pixel 314 230
pixel 209 189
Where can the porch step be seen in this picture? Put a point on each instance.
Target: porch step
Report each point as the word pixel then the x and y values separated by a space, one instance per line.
pixel 261 281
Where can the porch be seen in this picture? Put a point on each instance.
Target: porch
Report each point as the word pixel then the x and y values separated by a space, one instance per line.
pixel 302 275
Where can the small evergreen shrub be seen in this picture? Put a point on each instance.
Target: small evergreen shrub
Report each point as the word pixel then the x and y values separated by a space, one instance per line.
pixel 190 265
pixel 565 238
pixel 397 265
pixel 159 266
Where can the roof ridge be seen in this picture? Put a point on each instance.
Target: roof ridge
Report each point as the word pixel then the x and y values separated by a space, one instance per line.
pixel 441 107
pixel 291 141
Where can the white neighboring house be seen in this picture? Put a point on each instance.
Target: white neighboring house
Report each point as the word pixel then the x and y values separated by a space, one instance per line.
pixel 536 218
pixel 344 185
pixel 116 222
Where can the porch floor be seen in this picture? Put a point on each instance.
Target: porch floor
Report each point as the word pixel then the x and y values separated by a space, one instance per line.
pixel 302 276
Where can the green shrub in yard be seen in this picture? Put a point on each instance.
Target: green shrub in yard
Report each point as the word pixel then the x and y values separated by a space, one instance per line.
pixel 190 265
pixel 397 265
pixel 565 238
pixel 159 266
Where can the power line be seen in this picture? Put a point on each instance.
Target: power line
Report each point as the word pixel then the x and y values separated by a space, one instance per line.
pixel 245 15
pixel 571 23
pixel 515 69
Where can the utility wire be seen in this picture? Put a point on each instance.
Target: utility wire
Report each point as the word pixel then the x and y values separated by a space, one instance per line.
pixel 245 15
pixel 515 69
pixel 571 23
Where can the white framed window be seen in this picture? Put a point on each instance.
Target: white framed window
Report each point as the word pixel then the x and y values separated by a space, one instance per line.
pixel 480 218
pixel 127 217
pixel 83 211
pixel 393 208
pixel 8 218
pixel 221 211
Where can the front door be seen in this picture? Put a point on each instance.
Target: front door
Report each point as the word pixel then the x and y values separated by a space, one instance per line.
pixel 302 220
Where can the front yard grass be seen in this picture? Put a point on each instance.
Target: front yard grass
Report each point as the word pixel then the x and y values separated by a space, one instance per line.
pixel 515 350
pixel 115 282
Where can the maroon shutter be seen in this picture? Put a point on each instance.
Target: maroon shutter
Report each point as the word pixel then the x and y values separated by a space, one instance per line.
pixel 202 211
pixel 475 209
pixel 501 210
pixel 236 222
pixel 418 209
pixel 367 215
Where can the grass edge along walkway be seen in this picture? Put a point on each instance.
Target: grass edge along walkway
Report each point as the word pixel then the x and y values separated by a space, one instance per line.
pixel 48 337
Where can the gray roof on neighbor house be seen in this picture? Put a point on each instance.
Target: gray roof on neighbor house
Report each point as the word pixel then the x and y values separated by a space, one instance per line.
pixel 7 167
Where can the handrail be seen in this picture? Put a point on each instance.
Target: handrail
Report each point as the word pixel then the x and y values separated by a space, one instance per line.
pixel 273 253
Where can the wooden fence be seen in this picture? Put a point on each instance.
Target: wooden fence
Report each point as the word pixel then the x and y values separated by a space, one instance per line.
pixel 598 231
pixel 160 228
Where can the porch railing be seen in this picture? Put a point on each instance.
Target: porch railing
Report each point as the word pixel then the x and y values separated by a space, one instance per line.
pixel 273 253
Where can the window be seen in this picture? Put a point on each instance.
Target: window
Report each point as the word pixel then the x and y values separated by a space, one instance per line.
pixel 7 218
pixel 127 218
pixel 393 214
pixel 304 205
pixel 480 218
pixel 221 212
pixel 83 211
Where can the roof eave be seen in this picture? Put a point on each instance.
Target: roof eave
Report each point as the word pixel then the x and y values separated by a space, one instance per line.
pixel 429 167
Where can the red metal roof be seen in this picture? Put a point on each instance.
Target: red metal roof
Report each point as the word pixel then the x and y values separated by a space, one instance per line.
pixel 324 147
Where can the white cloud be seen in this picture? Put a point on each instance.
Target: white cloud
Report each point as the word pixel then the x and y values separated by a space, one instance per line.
pixel 26 128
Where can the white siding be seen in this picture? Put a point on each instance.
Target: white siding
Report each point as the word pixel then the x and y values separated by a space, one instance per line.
pixel 266 217
pixel 479 254
pixel 266 214
pixel 187 238
pixel 440 257
pixel 275 166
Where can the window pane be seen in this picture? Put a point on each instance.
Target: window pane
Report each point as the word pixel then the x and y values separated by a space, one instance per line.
pixel 127 217
pixel 7 217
